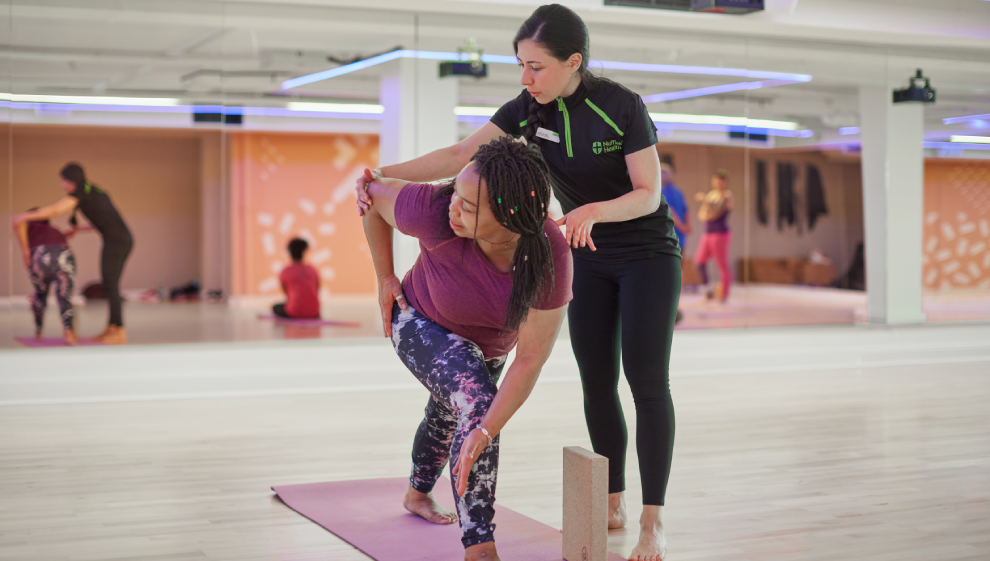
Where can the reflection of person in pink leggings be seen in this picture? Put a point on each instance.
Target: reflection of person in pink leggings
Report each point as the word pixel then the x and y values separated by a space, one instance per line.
pixel 714 213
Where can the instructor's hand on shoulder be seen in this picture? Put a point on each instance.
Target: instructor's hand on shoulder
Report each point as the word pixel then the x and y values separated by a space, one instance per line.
pixel 578 224
pixel 389 292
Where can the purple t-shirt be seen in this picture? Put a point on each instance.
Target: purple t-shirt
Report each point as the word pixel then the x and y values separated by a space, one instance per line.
pixel 455 285
pixel 42 233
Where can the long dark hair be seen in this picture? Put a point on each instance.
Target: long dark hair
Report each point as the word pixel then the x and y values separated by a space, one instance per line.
pixel 518 181
pixel 560 32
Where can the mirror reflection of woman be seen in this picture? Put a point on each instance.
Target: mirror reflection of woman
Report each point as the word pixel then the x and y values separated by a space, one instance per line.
pixel 97 208
pixel 50 264
pixel 598 140
pixel 716 205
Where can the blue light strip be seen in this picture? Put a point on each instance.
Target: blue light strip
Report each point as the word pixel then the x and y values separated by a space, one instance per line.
pixel 705 70
pixel 846 131
pixel 956 146
pixel 957 120
pixel 503 59
pixel 712 90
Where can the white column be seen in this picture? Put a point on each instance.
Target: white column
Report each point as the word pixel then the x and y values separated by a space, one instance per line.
pixel 893 190
pixel 419 118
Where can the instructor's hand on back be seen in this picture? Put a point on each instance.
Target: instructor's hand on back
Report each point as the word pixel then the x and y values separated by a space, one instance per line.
pixel 578 224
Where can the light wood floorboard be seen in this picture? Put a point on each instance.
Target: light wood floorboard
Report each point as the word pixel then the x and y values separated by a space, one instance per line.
pixel 878 464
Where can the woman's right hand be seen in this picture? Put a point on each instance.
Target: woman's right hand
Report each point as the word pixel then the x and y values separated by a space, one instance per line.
pixel 361 187
pixel 389 292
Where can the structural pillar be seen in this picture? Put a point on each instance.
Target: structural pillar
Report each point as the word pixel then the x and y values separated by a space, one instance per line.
pixel 893 190
pixel 419 118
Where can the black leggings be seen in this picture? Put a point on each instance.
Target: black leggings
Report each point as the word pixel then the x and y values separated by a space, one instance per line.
pixel 114 255
pixel 627 310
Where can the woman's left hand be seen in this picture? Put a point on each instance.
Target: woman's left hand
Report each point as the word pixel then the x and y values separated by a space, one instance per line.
pixel 578 224
pixel 472 447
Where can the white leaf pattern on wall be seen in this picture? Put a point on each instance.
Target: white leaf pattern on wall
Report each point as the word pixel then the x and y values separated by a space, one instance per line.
pixel 270 284
pixel 307 206
pixel 286 225
pixel 320 256
pixel 268 243
pixel 948 232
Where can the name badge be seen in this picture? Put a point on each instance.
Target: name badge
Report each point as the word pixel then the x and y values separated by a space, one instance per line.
pixel 548 135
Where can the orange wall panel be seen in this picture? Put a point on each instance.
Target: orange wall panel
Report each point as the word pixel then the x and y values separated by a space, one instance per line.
pixel 287 185
pixel 956 240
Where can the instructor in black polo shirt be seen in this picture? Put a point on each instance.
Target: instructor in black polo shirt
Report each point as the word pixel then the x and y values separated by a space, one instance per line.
pixel 95 204
pixel 598 140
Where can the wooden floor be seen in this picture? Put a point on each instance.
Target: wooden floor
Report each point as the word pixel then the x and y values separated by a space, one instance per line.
pixel 871 464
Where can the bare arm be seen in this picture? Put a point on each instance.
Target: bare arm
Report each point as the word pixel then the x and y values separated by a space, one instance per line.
pixel 445 162
pixel 644 172
pixel 379 221
pixel 21 231
pixel 536 338
pixel 63 205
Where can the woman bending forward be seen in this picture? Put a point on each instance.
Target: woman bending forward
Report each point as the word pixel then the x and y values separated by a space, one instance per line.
pixel 493 273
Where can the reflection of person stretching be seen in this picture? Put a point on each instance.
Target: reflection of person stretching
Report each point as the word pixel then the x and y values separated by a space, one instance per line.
pixel 49 261
pixel 492 270
pixel 301 284
pixel 81 195
pixel 714 213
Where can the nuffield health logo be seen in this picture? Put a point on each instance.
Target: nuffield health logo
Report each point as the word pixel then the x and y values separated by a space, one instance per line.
pixel 606 146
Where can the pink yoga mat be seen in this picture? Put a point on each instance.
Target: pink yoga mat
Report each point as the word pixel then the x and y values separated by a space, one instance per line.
pixel 53 342
pixel 312 322
pixel 368 514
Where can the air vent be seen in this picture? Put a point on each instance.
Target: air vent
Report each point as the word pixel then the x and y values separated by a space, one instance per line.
pixel 715 6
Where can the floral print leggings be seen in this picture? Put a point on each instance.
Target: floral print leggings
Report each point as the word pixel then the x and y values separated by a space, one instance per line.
pixel 52 264
pixel 462 386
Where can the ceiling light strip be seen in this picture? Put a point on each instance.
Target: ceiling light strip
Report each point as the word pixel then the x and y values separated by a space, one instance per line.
pixel 714 90
pixel 970 139
pixel 957 120
pixel 502 59
pixel 98 100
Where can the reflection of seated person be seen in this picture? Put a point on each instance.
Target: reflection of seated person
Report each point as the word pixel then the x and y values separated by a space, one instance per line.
pixel 301 284
pixel 49 261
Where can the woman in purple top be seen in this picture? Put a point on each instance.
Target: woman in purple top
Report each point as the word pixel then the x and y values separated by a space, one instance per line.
pixel 49 261
pixel 714 213
pixel 493 273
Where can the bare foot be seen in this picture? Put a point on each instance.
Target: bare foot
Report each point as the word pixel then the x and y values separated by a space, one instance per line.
pixel 37 337
pixel 114 335
pixel 70 337
pixel 423 506
pixel 481 552
pixel 616 510
pixel 652 546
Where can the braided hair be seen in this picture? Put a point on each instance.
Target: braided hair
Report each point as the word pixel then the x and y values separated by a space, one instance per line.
pixel 518 181
pixel 561 32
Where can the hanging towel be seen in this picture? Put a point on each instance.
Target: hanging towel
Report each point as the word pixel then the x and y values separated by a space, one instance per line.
pixel 762 192
pixel 815 196
pixel 785 195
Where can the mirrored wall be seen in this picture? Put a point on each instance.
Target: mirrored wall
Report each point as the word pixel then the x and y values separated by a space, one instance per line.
pixel 223 130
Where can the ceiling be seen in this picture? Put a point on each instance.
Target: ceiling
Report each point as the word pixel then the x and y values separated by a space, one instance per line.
pixel 238 53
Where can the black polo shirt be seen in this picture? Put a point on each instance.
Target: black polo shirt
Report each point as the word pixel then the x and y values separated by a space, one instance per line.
pixel 597 127
pixel 96 206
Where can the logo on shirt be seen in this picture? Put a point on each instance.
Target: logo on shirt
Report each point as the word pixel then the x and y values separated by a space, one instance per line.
pixel 606 146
